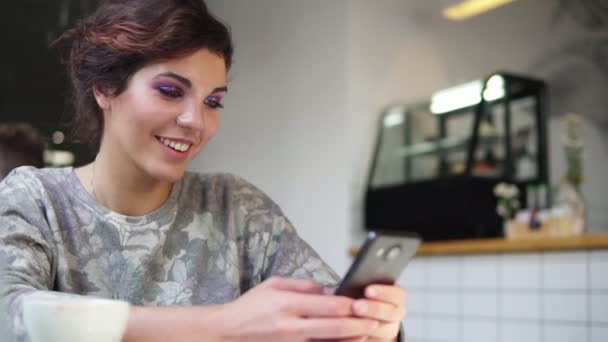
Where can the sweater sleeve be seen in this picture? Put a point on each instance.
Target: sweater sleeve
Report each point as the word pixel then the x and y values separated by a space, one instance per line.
pixel 288 255
pixel 26 252
pixel 273 246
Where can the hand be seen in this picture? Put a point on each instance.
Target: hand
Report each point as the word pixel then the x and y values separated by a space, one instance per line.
pixel 294 310
pixel 386 304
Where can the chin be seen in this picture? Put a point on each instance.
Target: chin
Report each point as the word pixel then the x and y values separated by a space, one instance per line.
pixel 169 174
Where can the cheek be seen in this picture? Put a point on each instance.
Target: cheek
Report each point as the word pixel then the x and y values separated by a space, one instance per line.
pixel 213 124
pixel 145 120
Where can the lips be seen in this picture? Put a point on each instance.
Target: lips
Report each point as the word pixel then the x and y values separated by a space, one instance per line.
pixel 176 145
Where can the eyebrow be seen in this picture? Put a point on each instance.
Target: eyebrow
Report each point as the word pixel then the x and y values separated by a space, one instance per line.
pixel 187 82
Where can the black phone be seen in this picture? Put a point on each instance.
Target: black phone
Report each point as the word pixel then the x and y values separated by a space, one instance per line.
pixel 381 260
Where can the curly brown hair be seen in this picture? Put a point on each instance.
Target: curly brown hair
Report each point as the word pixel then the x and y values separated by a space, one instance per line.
pixel 108 47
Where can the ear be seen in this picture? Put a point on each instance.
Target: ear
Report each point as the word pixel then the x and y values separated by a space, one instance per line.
pixel 101 97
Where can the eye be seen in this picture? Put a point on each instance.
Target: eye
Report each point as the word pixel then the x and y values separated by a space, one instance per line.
pixel 213 102
pixel 170 91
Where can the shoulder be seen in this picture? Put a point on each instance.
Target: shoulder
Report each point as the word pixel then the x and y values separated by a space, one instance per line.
pixel 229 191
pixel 28 184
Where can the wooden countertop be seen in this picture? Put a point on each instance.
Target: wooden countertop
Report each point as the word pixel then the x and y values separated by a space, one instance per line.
pixel 501 246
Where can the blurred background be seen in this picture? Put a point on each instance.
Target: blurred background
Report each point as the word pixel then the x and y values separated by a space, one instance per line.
pixel 311 87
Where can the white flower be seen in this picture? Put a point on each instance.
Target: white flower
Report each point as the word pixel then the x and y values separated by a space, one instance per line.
pixel 500 189
pixel 511 191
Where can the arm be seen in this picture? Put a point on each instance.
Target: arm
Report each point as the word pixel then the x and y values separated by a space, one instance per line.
pixel 277 310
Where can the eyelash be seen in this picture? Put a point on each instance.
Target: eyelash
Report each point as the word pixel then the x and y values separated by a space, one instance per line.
pixel 170 91
pixel 213 103
pixel 174 92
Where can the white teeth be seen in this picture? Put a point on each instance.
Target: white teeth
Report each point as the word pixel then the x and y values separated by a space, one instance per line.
pixel 175 145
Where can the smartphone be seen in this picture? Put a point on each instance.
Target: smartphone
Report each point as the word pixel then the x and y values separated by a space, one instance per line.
pixel 381 260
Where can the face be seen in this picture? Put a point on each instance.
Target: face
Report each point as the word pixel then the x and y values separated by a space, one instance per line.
pixel 166 115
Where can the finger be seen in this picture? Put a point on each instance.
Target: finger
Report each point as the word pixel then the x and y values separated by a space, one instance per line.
pixel 352 339
pixel 386 293
pixel 386 331
pixel 296 285
pixel 378 310
pixel 337 328
pixel 316 306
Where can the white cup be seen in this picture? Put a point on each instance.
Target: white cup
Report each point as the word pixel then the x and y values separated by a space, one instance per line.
pixel 77 319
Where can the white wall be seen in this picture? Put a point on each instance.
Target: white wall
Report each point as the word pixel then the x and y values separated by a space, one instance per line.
pixel 312 76
pixel 286 111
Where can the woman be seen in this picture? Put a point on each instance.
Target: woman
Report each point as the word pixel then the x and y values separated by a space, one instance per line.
pixel 199 257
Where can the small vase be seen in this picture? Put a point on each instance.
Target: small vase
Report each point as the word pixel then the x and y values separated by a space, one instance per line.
pixel 570 204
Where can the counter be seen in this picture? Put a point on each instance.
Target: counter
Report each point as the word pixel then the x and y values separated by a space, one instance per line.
pixel 493 246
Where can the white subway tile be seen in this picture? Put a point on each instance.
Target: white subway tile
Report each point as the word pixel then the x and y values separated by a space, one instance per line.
pixel 444 330
pixel 565 271
pixel 480 271
pixel 599 255
pixel 599 308
pixel 443 272
pixel 520 305
pixel 520 271
pixel 416 301
pixel 443 302
pixel 599 270
pixel 479 304
pixel 564 333
pixel 599 333
pixel 520 332
pixel 565 307
pixel 479 331
pixel 415 274
pixel 413 327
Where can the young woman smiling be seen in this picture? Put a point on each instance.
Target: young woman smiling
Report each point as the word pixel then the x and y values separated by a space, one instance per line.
pixel 198 256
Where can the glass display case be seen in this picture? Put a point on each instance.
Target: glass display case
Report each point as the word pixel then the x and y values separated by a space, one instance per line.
pixel 432 157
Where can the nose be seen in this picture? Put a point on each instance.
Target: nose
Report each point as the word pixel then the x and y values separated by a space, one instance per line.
pixel 192 119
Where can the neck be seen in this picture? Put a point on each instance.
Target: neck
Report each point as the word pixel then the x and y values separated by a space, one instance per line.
pixel 122 187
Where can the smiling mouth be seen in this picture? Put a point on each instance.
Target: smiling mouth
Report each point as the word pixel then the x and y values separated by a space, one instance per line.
pixel 176 145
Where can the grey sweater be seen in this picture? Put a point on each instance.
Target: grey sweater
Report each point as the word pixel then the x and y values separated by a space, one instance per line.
pixel 213 239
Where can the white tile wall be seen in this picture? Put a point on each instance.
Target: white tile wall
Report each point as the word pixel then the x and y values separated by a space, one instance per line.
pixel 520 332
pixel 479 304
pixel 564 333
pixel 443 272
pixel 565 307
pixel 416 301
pixel 414 327
pixel 443 330
pixel 520 305
pixel 480 272
pixel 415 274
pixel 565 271
pixel 599 333
pixel 599 308
pixel 531 297
pixel 443 302
pixel 479 331
pixel 599 270
pixel 520 271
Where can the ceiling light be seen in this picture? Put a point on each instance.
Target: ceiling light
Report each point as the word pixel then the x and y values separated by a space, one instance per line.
pixel 394 117
pixel 467 95
pixel 470 8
